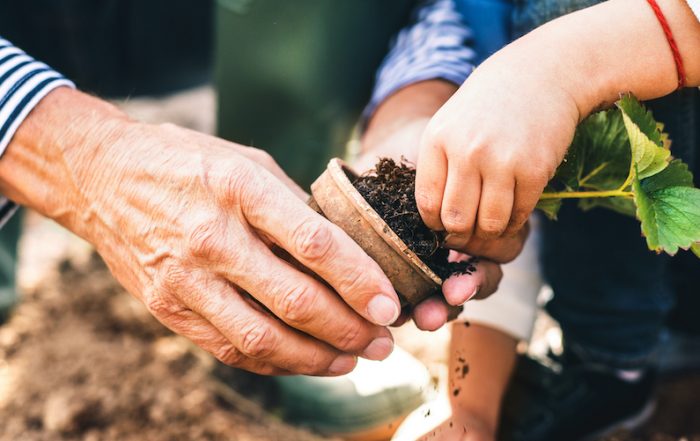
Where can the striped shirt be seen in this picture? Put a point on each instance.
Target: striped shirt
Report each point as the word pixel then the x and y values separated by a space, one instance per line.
pixel 23 83
pixel 434 46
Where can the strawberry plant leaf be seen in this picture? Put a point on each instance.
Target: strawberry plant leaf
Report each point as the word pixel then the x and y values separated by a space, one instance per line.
pixel 599 156
pixel 646 140
pixel 642 118
pixel 550 207
pixel 669 208
pixel 622 205
pixel 620 159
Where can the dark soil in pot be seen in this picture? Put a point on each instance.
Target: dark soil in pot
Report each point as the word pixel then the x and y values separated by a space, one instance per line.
pixel 390 191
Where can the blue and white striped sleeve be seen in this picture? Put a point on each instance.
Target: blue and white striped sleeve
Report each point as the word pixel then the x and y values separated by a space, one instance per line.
pixel 434 46
pixel 23 83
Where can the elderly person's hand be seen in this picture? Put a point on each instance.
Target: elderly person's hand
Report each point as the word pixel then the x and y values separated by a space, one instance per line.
pixel 395 131
pixel 193 227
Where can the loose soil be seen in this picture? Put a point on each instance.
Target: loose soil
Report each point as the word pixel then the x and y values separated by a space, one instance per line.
pixel 81 360
pixel 390 191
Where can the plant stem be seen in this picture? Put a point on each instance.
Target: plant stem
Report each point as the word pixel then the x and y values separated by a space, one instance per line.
pixel 587 194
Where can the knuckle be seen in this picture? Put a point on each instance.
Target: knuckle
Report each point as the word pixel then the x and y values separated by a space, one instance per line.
pixel 428 204
pixel 455 221
pixel 238 183
pixel 158 306
pixel 258 341
pixel 357 280
pixel 158 300
pixel 535 176
pixel 492 227
pixel 163 307
pixel 204 240
pixel 433 133
pixel 520 217
pixel 313 363
pixel 296 305
pixel 350 339
pixel 313 240
pixel 229 355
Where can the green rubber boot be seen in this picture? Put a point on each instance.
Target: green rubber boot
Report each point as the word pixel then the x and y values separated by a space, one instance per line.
pixel 9 237
pixel 368 404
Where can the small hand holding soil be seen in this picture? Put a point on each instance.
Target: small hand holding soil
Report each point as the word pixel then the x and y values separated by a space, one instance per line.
pixel 390 191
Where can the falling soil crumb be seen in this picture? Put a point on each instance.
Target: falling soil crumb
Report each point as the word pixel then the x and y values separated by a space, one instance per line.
pixel 390 191
pixel 467 324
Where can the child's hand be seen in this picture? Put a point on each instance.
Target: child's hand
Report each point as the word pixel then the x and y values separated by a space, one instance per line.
pixel 488 153
pixel 394 131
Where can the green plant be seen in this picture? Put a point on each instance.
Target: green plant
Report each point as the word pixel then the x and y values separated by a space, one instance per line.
pixel 621 159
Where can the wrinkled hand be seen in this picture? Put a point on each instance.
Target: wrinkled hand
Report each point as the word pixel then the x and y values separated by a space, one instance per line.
pixel 395 131
pixel 186 223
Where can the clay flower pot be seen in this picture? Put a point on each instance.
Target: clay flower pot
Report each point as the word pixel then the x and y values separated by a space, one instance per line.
pixel 336 198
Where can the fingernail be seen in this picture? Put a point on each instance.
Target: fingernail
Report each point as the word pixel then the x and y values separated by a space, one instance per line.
pixel 342 365
pixel 379 349
pixel 383 310
pixel 473 294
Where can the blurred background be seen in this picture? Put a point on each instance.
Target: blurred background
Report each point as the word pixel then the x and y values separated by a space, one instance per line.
pixel 79 358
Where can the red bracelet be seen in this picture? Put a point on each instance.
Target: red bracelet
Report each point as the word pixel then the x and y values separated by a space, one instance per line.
pixel 671 42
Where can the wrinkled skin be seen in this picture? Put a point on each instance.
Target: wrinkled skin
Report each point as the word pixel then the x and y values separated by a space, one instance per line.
pixel 188 223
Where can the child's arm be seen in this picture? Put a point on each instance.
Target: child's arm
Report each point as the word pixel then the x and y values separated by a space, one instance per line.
pixel 489 152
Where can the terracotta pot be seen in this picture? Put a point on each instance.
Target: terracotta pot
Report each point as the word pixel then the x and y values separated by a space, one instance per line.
pixel 336 198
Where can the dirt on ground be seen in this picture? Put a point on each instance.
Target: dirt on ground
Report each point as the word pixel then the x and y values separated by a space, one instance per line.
pixel 81 360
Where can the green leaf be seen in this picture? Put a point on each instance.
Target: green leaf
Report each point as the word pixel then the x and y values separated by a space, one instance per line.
pixel 620 160
pixel 646 140
pixel 599 156
pixel 669 208
pixel 642 118
pixel 550 207
pixel 621 205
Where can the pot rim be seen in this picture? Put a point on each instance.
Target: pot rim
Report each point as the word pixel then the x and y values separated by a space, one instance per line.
pixel 341 173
